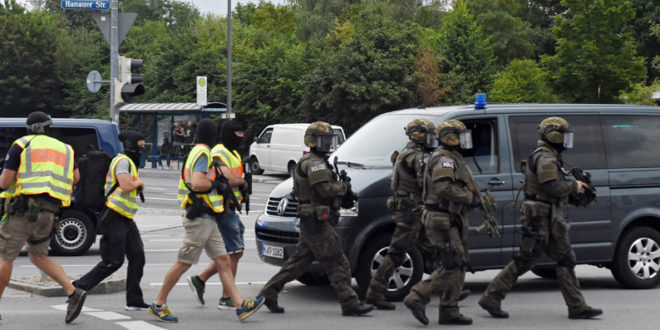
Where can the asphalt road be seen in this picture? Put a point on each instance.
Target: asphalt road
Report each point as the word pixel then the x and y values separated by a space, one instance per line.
pixel 533 303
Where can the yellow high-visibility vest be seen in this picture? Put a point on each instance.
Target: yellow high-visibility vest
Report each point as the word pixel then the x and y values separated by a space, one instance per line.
pixel 233 161
pixel 46 168
pixel 119 201
pixel 212 199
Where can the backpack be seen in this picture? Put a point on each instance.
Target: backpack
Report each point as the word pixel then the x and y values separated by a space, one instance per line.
pixel 90 189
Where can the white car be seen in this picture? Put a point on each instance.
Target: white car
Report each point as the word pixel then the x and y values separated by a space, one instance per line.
pixel 280 146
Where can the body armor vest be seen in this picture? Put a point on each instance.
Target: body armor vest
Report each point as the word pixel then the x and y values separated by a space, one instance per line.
pixel 408 174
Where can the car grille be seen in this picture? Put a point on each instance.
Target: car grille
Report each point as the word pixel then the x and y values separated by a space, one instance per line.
pixel 286 208
pixel 279 236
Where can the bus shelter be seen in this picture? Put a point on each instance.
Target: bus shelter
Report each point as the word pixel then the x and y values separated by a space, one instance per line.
pixel 171 109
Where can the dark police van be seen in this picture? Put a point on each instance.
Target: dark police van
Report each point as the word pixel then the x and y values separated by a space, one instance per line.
pixel 617 144
pixel 77 230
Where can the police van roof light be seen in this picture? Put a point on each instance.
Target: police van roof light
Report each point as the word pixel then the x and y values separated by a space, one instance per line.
pixel 480 103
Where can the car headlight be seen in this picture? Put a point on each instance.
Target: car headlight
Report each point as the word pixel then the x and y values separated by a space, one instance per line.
pixel 352 212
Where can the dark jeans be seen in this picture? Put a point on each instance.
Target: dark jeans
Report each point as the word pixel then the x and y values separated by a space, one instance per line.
pixel 160 160
pixel 120 237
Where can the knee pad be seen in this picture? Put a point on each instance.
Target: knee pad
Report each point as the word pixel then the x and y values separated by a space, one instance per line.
pixel 523 263
pixel 568 260
pixel 451 259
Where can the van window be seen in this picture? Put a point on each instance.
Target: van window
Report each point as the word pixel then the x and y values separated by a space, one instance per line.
pixel 265 136
pixel 588 150
pixel 80 139
pixel 632 141
pixel 483 157
pixel 340 135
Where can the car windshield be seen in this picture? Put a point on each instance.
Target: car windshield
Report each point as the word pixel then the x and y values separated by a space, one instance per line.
pixel 373 144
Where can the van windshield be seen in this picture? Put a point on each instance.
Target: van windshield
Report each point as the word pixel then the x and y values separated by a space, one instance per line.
pixel 373 144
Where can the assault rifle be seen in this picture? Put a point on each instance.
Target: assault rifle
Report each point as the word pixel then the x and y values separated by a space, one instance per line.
pixel 585 198
pixel 246 192
pixel 349 198
pixel 488 207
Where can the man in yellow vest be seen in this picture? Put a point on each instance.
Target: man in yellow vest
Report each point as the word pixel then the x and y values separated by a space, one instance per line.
pixel 38 177
pixel 198 193
pixel 229 223
pixel 121 236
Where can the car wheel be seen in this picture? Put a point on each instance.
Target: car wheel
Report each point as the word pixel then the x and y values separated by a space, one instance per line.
pixel 637 259
pixel 403 278
pixel 290 168
pixel 254 166
pixel 75 236
pixel 314 279
pixel 545 272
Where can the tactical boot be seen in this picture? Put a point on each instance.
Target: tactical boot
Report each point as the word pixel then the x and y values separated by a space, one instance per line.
pixel 458 320
pixel 273 307
pixel 464 294
pixel 381 304
pixel 586 314
pixel 417 312
pixel 494 311
pixel 357 310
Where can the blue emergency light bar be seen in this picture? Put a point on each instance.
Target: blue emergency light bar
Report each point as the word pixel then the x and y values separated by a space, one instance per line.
pixel 480 103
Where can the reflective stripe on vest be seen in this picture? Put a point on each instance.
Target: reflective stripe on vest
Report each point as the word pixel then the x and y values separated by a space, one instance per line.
pixel 119 201
pixel 212 199
pixel 46 168
pixel 233 161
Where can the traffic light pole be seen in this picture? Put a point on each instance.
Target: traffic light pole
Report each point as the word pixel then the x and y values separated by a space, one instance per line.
pixel 228 59
pixel 114 57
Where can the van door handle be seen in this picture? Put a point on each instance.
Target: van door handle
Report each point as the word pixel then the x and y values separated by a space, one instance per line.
pixel 495 182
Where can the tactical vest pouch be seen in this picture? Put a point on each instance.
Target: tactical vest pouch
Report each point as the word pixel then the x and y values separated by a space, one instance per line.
pixel 306 211
pixel 535 209
pixel 32 209
pixel 436 221
pixel 322 212
pixel 18 205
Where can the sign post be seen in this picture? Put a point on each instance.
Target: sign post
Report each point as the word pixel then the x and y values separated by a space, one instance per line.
pixel 202 88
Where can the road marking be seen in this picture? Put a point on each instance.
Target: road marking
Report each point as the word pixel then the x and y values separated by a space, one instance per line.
pixel 166 240
pixel 109 316
pixel 84 309
pixel 138 325
pixel 212 283
pixel 161 199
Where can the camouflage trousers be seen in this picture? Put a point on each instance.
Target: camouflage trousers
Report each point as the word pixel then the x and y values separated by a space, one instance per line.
pixel 446 281
pixel 322 244
pixel 407 234
pixel 549 237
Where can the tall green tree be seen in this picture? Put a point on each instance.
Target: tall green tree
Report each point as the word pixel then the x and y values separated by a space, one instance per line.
pixel 596 55
pixel 523 81
pixel 647 18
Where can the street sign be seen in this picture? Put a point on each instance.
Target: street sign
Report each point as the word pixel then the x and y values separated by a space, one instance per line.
pixel 94 81
pixel 125 22
pixel 91 5
pixel 202 87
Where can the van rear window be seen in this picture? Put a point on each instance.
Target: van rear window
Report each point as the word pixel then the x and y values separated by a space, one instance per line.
pixel 632 141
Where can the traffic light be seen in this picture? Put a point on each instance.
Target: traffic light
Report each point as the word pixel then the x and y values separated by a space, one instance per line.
pixel 127 86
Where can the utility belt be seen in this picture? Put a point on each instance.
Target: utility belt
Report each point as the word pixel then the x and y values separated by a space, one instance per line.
pixel 402 203
pixel 435 208
pixel 318 212
pixel 198 208
pixel 536 209
pixel 29 206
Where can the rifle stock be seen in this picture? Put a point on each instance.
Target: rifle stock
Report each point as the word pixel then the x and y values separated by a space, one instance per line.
pixel 488 206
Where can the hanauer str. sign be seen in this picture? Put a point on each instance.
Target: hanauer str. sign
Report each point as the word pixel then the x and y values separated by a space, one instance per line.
pixel 93 5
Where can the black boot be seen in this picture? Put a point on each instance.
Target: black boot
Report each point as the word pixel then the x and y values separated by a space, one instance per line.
pixel 418 313
pixel 586 314
pixel 494 311
pixel 381 304
pixel 464 294
pixel 459 320
pixel 273 307
pixel 357 310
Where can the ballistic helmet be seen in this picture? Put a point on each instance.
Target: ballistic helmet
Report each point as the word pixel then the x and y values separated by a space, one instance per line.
pixel 453 133
pixel 421 131
pixel 556 131
pixel 37 122
pixel 319 135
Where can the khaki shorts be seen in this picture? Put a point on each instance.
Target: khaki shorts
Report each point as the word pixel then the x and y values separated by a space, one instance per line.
pixel 201 234
pixel 16 231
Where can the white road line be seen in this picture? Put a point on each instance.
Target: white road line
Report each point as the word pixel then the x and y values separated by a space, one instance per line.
pixel 109 316
pixel 161 199
pixel 212 283
pixel 84 309
pixel 139 325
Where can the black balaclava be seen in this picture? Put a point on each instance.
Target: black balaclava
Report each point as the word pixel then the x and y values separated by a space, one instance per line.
pixel 38 122
pixel 228 135
pixel 206 132
pixel 131 149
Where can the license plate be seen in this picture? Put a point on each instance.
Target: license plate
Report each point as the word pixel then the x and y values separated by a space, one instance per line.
pixel 272 251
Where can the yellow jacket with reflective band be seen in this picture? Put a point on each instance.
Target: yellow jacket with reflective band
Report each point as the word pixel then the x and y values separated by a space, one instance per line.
pixel 233 161
pixel 46 168
pixel 212 199
pixel 119 201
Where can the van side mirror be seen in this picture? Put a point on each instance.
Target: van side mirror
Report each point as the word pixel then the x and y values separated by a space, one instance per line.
pixel 256 139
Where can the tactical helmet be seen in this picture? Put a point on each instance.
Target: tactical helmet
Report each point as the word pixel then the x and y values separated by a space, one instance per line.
pixel 452 133
pixel 556 130
pixel 319 135
pixel 418 131
pixel 37 122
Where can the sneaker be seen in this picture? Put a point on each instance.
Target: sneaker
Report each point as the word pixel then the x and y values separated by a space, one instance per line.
pixel 249 306
pixel 75 304
pixel 588 313
pixel 137 307
pixel 162 313
pixel 197 286
pixel 226 303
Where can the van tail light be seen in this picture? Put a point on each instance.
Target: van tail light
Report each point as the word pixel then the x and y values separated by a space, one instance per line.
pixel 305 152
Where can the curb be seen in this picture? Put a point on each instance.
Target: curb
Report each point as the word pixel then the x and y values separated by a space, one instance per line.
pixel 50 288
